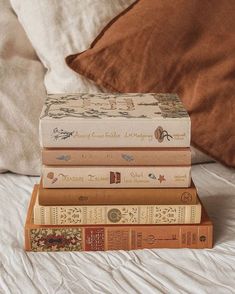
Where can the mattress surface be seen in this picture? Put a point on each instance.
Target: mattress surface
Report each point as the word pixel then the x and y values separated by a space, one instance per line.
pixel 141 271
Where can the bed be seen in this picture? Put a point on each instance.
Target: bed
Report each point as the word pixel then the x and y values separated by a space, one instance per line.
pixel 141 271
pixel 22 91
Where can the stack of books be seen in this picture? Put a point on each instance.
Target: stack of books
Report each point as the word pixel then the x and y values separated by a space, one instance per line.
pixel 116 175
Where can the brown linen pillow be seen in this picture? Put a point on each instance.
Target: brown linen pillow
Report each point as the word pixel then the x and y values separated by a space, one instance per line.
pixel 185 47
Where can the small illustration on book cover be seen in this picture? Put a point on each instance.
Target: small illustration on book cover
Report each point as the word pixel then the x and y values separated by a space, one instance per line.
pixel 127 157
pixel 60 134
pixel 202 238
pixel 160 134
pixel 115 177
pixel 114 215
pixel 50 176
pixel 186 197
pixel 161 178
pixel 64 157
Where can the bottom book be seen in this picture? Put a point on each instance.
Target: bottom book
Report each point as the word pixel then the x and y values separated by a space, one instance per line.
pixel 107 237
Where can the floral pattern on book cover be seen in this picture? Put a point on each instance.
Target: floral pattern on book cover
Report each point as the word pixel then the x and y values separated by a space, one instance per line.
pixel 59 239
pixel 119 215
pixel 102 105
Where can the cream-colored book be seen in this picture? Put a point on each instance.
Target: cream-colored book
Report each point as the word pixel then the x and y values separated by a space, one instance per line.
pixel 116 176
pixel 104 120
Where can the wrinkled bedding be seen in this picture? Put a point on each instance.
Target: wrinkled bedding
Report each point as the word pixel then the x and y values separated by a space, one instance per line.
pixel 142 271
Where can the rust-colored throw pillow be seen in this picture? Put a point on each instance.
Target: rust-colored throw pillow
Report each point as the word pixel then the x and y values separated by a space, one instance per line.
pixel 183 46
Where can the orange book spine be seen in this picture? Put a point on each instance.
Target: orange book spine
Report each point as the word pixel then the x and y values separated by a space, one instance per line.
pixel 119 156
pixel 100 238
pixel 164 196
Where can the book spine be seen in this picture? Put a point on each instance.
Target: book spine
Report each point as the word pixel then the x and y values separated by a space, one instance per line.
pixel 115 133
pixel 100 238
pixel 110 156
pixel 116 215
pixel 115 177
pixel 128 196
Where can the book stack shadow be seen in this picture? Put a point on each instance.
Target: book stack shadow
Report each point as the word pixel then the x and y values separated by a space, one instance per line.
pixel 116 175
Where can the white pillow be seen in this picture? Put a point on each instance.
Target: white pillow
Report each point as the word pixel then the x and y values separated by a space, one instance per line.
pixel 22 94
pixel 57 28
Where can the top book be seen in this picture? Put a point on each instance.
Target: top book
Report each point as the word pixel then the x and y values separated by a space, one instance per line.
pixel 114 120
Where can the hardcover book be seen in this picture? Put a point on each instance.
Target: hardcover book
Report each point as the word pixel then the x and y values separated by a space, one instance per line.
pixel 116 177
pixel 107 237
pixel 117 156
pixel 114 120
pixel 122 196
pixel 117 214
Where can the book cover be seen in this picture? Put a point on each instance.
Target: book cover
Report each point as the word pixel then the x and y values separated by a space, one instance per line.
pixel 119 196
pixel 115 176
pixel 106 237
pixel 117 214
pixel 117 156
pixel 114 120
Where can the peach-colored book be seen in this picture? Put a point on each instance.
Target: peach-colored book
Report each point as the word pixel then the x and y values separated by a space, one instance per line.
pixel 117 156
pixel 122 196
pixel 107 237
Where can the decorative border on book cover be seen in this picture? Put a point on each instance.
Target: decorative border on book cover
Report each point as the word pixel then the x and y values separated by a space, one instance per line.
pixel 58 239
pixel 116 215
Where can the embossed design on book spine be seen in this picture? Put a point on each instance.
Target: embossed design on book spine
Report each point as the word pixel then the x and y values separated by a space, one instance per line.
pixel 114 215
pixel 186 197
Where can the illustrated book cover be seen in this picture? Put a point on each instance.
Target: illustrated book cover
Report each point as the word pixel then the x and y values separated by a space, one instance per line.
pixel 114 120
pixel 116 176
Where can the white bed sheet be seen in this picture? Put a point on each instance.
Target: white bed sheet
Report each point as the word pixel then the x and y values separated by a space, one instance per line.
pixel 141 271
